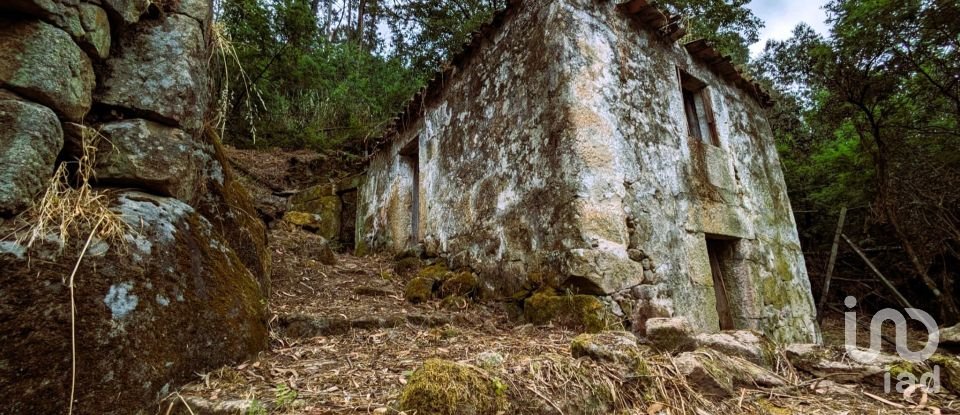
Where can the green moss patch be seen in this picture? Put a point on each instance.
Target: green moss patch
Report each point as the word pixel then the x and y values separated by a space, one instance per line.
pixel 584 312
pixel 446 388
pixel 419 290
pixel 436 272
pixel 406 266
pixel 464 284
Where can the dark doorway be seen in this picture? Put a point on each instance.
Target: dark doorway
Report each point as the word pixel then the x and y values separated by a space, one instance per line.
pixel 411 156
pixel 721 257
pixel 348 219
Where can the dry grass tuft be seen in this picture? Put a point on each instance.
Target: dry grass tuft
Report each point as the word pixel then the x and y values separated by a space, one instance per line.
pixel 226 55
pixel 70 207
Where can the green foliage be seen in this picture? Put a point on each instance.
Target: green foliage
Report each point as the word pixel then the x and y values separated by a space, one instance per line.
pixel 324 74
pixel 256 408
pixel 729 24
pixel 871 118
pixel 285 396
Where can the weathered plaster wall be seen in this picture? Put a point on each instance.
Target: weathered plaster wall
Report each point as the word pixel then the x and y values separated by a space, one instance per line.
pixel 561 150
pixel 646 187
pixel 490 149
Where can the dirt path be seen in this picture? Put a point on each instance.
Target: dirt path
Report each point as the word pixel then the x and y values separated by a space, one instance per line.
pixel 344 340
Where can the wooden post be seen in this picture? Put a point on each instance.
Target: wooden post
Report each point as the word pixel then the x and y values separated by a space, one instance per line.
pixel 900 298
pixel 831 263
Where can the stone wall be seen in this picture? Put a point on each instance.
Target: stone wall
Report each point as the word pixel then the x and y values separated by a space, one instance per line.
pixel 557 153
pixel 489 150
pixel 185 289
pixel 650 189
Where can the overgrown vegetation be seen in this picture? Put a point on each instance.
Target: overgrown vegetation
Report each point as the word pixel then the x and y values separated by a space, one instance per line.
pixel 868 118
pixel 331 74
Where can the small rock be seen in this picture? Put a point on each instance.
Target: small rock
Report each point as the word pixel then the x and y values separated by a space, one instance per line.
pixel 673 334
pixel 717 375
pixel 856 365
pixel 419 290
pixel 608 346
pixel 490 360
pixel 454 303
pixel 746 344
pixel 308 221
pixel 950 336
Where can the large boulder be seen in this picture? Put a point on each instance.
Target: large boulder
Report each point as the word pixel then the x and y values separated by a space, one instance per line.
pixel 42 63
pixel 160 71
pixel 87 23
pixel 169 301
pixel 30 138
pixel 164 160
pixel 227 204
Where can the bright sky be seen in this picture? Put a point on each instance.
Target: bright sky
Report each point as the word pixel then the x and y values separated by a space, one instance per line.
pixel 781 16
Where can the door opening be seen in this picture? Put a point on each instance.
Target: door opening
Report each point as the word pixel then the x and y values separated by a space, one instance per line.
pixel 721 255
pixel 348 219
pixel 411 155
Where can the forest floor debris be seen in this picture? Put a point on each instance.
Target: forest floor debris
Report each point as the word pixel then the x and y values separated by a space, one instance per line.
pixel 364 370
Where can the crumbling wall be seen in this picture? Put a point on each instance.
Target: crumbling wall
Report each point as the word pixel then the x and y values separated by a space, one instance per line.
pixel 647 189
pixel 183 289
pixel 490 149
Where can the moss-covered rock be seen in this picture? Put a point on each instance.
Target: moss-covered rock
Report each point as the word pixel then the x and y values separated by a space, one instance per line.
pixel 464 284
pixel 419 290
pixel 406 266
pixel 436 272
pixel 229 207
pixel 454 303
pixel 169 301
pixel 949 371
pixel 446 388
pixel 584 312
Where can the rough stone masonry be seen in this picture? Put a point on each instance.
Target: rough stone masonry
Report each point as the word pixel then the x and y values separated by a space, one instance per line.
pixel 577 144
pixel 185 289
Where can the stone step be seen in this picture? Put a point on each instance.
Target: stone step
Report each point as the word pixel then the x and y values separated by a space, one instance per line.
pixel 307 325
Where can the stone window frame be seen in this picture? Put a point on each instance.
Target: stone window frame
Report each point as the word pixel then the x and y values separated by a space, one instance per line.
pixel 697 106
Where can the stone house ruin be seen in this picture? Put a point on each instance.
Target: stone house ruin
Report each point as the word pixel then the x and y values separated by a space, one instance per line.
pixel 579 144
